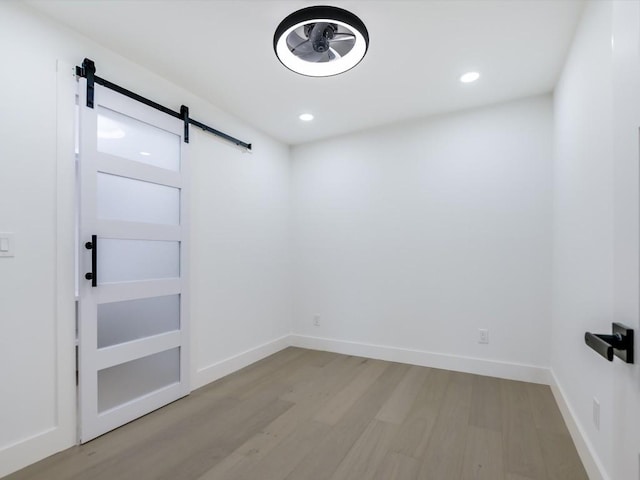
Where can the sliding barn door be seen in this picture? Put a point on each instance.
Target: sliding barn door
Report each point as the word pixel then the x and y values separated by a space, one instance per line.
pixel 133 327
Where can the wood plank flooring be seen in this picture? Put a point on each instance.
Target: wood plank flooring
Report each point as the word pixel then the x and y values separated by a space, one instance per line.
pixel 309 415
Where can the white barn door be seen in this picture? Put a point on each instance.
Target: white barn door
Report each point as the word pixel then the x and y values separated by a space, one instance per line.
pixel 133 327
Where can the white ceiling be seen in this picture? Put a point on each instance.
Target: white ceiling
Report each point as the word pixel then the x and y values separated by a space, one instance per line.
pixel 223 52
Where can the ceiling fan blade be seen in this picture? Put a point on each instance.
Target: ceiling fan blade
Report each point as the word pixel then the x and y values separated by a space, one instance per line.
pixel 303 47
pixel 341 37
pixel 343 48
pixel 312 56
pixel 333 54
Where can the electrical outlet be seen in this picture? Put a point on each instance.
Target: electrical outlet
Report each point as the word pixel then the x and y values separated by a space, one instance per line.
pixel 316 320
pixel 596 413
pixel 483 335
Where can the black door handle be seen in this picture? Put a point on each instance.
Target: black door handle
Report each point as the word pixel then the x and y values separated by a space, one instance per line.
pixel 619 343
pixel 600 344
pixel 93 274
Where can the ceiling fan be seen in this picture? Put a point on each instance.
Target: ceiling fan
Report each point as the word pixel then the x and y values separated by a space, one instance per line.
pixel 321 41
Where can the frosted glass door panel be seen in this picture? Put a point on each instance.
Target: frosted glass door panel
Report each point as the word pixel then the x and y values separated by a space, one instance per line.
pixel 121 198
pixel 126 137
pixel 120 322
pixel 131 380
pixel 137 260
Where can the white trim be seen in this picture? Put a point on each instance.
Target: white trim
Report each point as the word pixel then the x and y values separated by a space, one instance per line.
pixel 119 292
pixel 478 366
pixel 65 266
pixel 590 460
pixel 137 231
pixel 213 372
pixel 185 268
pixel 126 352
pixel 125 167
pixel 32 449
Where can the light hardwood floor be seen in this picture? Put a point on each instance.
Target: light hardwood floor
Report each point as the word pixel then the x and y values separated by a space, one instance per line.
pixel 309 415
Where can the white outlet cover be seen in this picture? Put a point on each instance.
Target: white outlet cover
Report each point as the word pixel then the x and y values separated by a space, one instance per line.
pixel 6 244
pixel 483 335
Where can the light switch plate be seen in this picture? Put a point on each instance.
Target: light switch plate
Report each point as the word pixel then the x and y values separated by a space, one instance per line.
pixel 6 244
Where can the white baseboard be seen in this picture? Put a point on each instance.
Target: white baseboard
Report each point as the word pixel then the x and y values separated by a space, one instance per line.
pixel 590 460
pixel 479 366
pixel 229 365
pixel 33 449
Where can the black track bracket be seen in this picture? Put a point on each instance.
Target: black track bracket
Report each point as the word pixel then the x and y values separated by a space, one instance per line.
pixel 88 71
pixel 184 114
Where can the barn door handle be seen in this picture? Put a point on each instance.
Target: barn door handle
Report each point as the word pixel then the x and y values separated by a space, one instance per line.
pixel 93 274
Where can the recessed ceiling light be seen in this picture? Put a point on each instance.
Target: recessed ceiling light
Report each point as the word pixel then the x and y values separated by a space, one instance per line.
pixel 321 41
pixel 469 77
pixel 145 154
pixel 306 117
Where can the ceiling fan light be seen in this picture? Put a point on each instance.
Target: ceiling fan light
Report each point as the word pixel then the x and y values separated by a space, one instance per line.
pixel 340 45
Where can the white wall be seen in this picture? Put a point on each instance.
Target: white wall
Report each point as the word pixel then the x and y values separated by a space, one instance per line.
pixel 596 233
pixel 417 235
pixel 240 236
pixel 240 252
